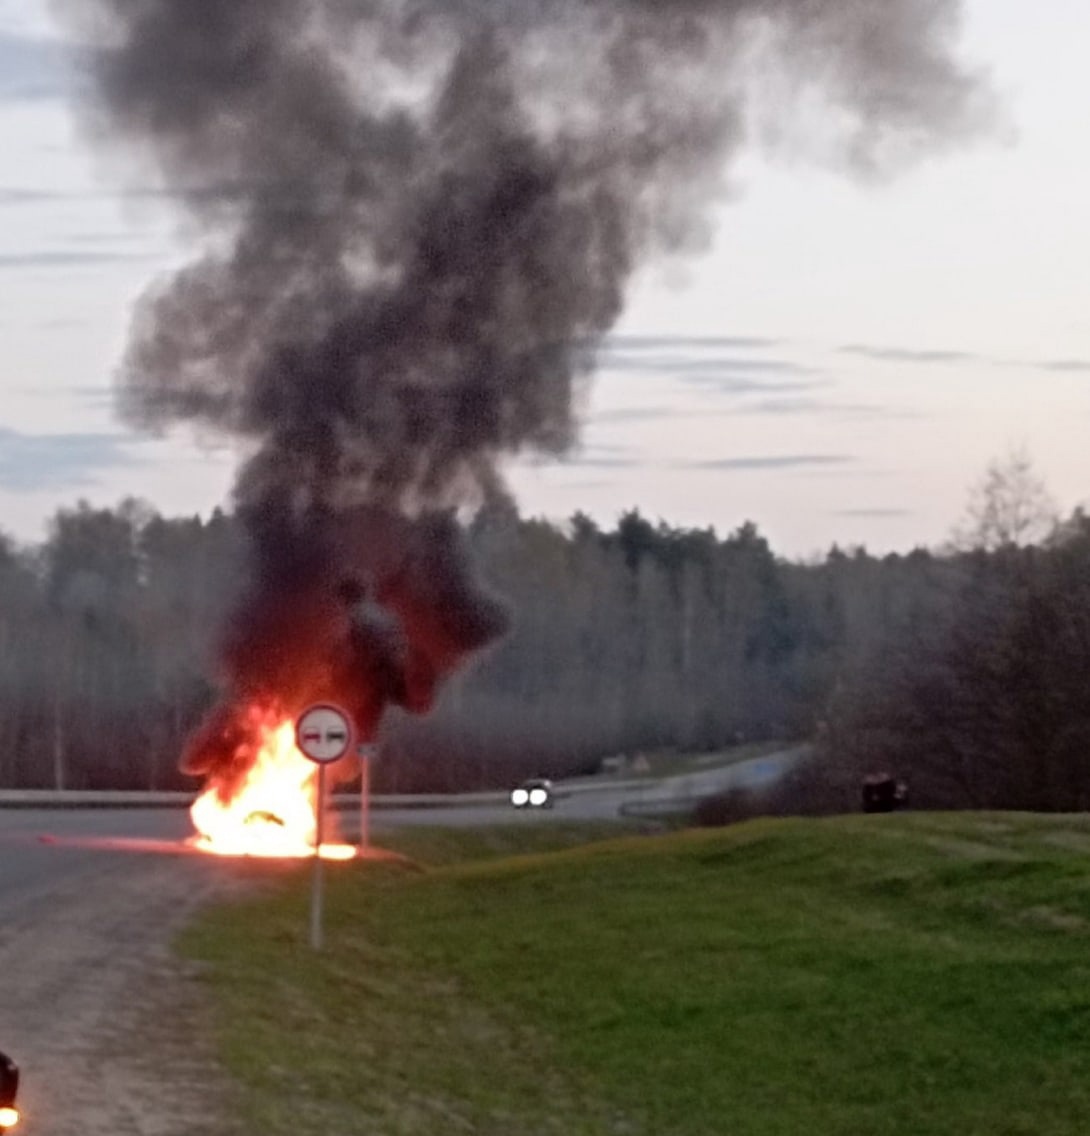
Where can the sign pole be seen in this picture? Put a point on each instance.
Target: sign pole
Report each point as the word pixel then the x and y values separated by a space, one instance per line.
pixel 324 733
pixel 316 888
pixel 365 797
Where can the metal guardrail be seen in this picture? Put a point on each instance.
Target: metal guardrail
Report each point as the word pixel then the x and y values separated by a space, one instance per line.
pixel 91 798
pixel 605 785
pixel 685 800
pixel 128 799
pixel 136 799
pixel 422 800
pixel 141 799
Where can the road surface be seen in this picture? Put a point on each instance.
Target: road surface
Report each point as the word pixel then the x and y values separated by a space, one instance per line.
pixel 108 1026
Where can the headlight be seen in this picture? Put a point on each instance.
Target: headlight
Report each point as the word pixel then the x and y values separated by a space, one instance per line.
pixel 519 797
pixel 9 1117
pixel 538 796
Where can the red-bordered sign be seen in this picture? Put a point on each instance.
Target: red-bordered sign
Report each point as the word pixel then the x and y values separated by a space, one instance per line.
pixel 325 733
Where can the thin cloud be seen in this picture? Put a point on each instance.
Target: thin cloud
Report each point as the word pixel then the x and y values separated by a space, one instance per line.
pixel 689 342
pixel 624 414
pixel 852 410
pixel 909 355
pixel 770 461
pixel 59 323
pixel 785 402
pixel 713 387
pixel 20 195
pixel 607 448
pixel 784 406
pixel 591 484
pixel 67 258
pixel 95 397
pixel 730 363
pixel 36 462
pixel 1076 366
pixel 89 396
pixel 873 514
pixel 698 366
pixel 601 455
pixel 602 463
pixel 112 238
pixel 14 195
pixel 714 365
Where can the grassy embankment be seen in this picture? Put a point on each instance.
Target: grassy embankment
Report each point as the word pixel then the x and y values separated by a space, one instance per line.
pixel 915 975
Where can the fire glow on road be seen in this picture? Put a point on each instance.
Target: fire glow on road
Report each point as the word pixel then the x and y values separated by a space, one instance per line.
pixel 271 814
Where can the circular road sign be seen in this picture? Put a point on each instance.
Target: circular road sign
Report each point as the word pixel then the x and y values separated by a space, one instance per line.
pixel 324 733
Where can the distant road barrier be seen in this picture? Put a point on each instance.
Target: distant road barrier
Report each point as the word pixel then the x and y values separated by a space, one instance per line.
pixel 91 798
pixel 754 776
pixel 139 799
pixel 135 799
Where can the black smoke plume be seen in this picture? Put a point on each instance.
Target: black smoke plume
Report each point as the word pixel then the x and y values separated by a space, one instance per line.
pixel 418 220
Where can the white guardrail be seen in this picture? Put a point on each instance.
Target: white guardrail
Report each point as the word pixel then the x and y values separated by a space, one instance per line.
pixel 135 799
pixel 138 799
pixel 681 784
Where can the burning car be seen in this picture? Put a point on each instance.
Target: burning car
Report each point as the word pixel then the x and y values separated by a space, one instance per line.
pixel 537 793
pixel 9 1087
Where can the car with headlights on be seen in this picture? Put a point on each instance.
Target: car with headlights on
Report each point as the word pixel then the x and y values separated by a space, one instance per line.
pixel 537 793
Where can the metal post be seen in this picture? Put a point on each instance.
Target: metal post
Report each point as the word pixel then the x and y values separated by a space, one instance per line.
pixel 316 889
pixel 365 797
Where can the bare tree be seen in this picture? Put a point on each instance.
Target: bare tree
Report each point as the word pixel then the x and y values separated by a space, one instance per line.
pixel 1009 505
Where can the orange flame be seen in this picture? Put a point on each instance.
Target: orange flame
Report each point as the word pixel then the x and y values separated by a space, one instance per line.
pixel 272 814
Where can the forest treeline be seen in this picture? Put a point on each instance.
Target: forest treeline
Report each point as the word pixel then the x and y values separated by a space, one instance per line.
pixel 966 672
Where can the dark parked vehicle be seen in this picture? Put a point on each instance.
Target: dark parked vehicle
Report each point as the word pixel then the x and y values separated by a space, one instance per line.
pixel 883 793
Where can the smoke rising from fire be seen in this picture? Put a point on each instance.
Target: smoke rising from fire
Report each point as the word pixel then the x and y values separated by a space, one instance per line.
pixel 419 218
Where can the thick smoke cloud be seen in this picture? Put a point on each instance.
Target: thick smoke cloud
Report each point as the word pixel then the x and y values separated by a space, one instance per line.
pixel 422 213
pixel 419 219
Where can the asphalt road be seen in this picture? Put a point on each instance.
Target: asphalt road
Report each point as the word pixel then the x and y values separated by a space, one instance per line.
pixel 107 1025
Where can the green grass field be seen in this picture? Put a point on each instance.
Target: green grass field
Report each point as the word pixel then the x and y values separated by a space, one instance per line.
pixel 910 975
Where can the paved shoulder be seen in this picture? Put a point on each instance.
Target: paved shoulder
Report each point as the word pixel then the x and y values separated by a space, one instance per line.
pixel 109 1030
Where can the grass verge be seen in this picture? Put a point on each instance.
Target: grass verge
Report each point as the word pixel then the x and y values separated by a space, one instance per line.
pixel 881 976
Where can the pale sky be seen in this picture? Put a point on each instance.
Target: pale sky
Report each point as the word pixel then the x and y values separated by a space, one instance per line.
pixel 839 366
